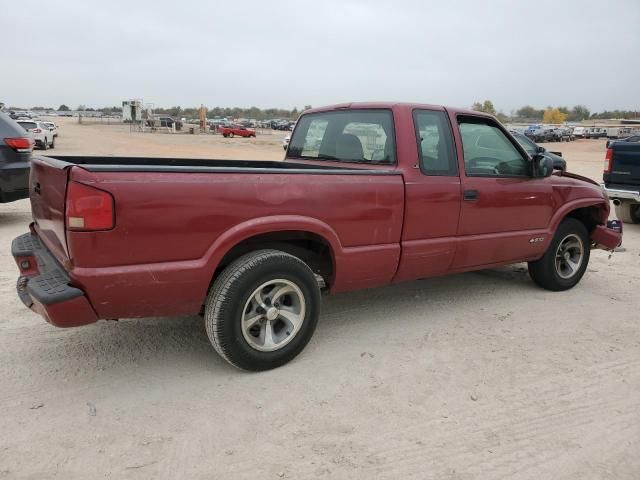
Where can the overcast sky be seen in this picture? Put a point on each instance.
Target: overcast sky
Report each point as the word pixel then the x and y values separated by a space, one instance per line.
pixel 292 53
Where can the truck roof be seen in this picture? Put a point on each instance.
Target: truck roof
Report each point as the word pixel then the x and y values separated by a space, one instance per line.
pixel 394 106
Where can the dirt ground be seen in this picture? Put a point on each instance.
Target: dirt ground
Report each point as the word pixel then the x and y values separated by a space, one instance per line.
pixel 473 376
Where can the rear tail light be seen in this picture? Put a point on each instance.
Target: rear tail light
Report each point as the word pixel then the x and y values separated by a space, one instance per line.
pixel 20 144
pixel 608 161
pixel 88 208
pixel 37 130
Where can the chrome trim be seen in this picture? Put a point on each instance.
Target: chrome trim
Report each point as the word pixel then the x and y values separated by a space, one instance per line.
pixel 626 194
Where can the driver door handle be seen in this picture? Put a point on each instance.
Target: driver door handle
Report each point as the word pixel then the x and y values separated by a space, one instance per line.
pixel 470 195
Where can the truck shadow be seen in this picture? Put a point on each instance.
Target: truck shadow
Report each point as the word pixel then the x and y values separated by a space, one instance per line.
pixel 149 343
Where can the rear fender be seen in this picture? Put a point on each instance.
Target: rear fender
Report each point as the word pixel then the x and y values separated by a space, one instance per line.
pixel 263 225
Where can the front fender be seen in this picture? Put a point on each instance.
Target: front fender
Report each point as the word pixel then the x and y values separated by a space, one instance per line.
pixel 600 203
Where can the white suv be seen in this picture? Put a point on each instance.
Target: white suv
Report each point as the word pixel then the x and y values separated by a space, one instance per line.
pixel 40 133
pixel 53 128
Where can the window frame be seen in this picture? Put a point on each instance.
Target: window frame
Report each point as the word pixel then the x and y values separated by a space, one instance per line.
pixel 452 145
pixel 387 111
pixel 490 122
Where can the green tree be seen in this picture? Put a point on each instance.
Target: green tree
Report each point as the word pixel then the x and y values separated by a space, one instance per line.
pixel 486 107
pixel 63 108
pixel 529 113
pixel 579 112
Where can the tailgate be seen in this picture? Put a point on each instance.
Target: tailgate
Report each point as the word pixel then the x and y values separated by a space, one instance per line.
pixel 47 189
pixel 625 167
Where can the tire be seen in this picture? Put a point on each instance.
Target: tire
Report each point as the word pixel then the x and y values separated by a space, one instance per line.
pixel 232 301
pixel 225 135
pixel 556 272
pixel 53 142
pixel 45 144
pixel 231 134
pixel 628 212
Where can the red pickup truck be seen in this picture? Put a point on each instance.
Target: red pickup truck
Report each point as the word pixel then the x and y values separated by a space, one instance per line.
pixel 368 194
pixel 238 130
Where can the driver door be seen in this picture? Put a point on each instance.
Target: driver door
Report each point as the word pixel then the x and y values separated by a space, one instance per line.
pixel 505 212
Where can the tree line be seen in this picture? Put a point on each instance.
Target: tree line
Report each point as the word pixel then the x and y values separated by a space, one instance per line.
pixel 552 114
pixel 524 114
pixel 193 112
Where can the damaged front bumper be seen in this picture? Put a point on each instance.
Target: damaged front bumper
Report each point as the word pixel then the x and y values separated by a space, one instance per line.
pixel 607 237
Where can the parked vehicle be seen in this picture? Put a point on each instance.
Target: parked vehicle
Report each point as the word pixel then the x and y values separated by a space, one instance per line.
pixel 41 134
pixel 622 179
pixel 631 139
pixel 578 132
pixel 15 160
pixel 164 121
pixel 614 133
pixel 368 194
pixel 237 130
pixel 53 128
pixel 532 149
pixel 285 142
pixel 595 132
pixel 541 134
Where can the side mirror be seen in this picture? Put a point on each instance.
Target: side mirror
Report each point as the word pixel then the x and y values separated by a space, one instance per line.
pixel 542 166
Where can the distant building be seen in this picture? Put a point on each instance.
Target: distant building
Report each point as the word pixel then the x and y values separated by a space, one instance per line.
pixel 133 111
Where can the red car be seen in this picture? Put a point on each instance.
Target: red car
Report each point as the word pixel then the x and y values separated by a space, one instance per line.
pixel 238 130
pixel 369 194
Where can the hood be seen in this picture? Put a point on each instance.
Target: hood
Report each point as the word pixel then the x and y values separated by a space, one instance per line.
pixel 580 177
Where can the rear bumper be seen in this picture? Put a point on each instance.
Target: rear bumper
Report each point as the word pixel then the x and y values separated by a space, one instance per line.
pixel 43 285
pixel 623 193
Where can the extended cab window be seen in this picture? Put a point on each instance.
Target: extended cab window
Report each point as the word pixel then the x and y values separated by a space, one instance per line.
pixel 487 150
pixel 435 145
pixel 347 136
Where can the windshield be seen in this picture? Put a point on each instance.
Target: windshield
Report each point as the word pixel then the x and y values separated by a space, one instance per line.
pixel 527 144
pixel 346 136
pixel 27 125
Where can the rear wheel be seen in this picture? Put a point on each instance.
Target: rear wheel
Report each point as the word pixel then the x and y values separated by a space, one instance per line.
pixel 628 212
pixel 53 142
pixel 262 310
pixel 45 144
pixel 231 134
pixel 566 259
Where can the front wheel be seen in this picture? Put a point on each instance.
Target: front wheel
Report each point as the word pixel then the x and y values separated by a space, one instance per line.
pixel 628 212
pixel 45 144
pixel 53 142
pixel 566 259
pixel 262 310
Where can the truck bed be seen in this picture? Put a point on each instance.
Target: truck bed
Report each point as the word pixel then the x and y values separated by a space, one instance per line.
pixel 175 219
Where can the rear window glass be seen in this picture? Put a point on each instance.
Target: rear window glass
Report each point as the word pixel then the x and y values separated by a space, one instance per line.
pixel 27 125
pixel 346 136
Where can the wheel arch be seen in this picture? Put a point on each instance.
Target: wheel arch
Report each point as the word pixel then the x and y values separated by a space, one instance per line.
pixel 591 212
pixel 309 239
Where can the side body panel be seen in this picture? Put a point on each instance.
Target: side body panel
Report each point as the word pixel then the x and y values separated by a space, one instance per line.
pixel 172 229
